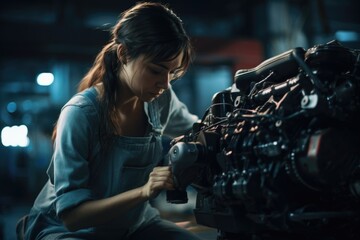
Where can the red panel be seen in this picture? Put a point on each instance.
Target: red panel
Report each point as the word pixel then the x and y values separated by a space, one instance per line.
pixel 242 53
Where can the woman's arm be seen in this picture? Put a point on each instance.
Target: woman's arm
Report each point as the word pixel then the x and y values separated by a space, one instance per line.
pixel 97 212
pixel 176 118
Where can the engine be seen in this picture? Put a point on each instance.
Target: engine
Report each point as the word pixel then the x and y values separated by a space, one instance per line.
pixel 277 154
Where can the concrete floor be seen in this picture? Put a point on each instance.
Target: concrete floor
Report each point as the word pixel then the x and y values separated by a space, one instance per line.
pixel 12 212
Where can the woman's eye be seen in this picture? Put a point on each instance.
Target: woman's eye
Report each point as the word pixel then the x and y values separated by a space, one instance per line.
pixel 154 71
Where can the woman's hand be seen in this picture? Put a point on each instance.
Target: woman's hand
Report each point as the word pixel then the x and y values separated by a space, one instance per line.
pixel 159 179
pixel 99 212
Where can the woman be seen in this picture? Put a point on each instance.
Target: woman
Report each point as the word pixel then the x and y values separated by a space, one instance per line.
pixel 107 142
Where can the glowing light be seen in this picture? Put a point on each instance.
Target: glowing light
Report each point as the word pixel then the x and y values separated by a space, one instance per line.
pixel 15 136
pixel 11 107
pixel 347 36
pixel 45 79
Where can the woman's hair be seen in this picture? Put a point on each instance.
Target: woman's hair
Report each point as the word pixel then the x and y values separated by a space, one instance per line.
pixel 149 29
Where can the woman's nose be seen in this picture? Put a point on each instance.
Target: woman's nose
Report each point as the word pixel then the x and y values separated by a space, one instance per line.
pixel 164 82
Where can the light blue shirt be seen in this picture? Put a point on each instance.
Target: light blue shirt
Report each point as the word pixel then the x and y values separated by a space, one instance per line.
pixel 78 172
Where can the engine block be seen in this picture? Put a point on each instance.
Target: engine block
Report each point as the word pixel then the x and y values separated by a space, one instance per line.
pixel 277 154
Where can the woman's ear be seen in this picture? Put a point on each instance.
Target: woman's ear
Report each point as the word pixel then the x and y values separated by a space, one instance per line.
pixel 121 53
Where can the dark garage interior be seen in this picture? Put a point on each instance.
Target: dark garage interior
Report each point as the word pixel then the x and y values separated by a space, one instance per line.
pixel 63 37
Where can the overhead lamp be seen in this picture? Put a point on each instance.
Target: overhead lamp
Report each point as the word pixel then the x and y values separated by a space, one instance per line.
pixel 45 79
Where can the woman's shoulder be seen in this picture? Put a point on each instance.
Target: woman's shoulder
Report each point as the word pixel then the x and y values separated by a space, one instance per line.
pixel 85 98
pixel 83 103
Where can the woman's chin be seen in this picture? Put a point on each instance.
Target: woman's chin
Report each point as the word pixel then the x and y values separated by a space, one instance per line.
pixel 151 97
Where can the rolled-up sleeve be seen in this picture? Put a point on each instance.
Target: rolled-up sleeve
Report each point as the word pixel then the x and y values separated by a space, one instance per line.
pixel 179 119
pixel 70 168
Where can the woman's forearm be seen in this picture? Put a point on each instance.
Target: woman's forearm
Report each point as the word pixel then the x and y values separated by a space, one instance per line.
pixel 98 212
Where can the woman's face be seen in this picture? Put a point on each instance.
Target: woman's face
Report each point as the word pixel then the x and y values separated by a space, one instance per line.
pixel 146 79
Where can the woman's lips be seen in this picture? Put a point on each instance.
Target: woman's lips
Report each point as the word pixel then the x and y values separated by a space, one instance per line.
pixel 157 93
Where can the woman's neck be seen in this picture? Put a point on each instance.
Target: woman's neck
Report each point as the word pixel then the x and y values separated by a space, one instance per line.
pixel 126 100
pixel 129 105
pixel 131 118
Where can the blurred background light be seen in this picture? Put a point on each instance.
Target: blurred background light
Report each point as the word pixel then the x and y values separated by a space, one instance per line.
pixel 15 136
pixel 11 107
pixel 347 36
pixel 27 105
pixel 45 79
